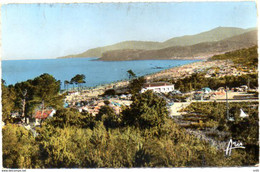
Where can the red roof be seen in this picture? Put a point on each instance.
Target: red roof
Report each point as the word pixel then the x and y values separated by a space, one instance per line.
pixel 45 114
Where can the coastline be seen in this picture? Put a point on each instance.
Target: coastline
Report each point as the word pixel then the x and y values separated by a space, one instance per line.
pixel 186 70
pixel 177 72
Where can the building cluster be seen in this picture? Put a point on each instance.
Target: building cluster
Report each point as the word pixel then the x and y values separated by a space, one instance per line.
pixel 116 102
pixel 217 69
pixel 37 117
pixel 223 70
pixel 93 106
pixel 91 100
pixel 187 70
pixel 84 102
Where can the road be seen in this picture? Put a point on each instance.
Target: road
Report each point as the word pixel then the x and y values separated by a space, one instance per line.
pixel 229 100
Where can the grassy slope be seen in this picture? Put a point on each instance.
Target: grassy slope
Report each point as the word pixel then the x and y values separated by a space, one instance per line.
pixel 248 57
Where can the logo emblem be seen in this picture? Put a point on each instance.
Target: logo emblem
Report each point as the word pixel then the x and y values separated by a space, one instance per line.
pixel 233 145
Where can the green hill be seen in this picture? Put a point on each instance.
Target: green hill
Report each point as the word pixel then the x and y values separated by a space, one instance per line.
pixel 247 57
pixel 197 51
pixel 97 52
pixel 216 34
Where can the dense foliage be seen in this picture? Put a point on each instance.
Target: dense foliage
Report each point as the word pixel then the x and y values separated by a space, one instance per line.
pixel 136 85
pixel 78 80
pixel 198 81
pixel 8 102
pixel 146 111
pixel 135 139
pixel 25 97
pixel 213 117
pixel 142 136
pixel 20 149
pixel 247 57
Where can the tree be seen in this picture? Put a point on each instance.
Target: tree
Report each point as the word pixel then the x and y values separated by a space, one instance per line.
pixel 46 92
pixel 78 79
pixel 42 91
pixel 88 120
pixel 147 111
pixel 25 93
pixel 67 147
pixel 67 118
pixel 19 148
pixel 8 102
pixel 131 74
pixel 22 92
pixel 66 84
pixel 108 116
pixel 109 92
pixel 136 85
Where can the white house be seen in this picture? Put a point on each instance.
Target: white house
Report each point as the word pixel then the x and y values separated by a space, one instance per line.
pixel 159 87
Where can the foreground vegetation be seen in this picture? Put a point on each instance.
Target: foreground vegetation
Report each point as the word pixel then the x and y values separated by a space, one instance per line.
pixel 26 97
pixel 142 135
pixel 211 118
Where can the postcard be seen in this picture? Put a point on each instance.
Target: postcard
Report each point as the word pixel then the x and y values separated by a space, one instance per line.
pixel 130 85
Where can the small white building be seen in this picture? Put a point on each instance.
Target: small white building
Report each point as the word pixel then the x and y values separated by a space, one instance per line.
pixel 73 93
pixel 159 87
pixel 83 108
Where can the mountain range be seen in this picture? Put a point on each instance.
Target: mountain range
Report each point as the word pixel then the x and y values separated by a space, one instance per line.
pixel 215 41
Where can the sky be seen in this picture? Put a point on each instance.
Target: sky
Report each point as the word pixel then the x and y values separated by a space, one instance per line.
pixel 43 31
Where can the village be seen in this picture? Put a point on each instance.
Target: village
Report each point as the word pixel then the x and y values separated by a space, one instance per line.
pixel 117 95
pixel 92 105
pixel 122 97
pixel 216 68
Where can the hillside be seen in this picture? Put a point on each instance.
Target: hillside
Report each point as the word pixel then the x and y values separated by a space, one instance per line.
pixel 247 57
pixel 97 52
pixel 197 51
pixel 216 34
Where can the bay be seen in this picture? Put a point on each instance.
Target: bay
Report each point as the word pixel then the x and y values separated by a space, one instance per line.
pixel 96 72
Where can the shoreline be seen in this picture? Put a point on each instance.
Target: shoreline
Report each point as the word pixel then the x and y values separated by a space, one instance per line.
pixel 127 81
pixel 177 58
pixel 185 70
pixel 176 72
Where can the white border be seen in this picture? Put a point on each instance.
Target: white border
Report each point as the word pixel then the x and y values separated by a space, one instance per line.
pixel 2 2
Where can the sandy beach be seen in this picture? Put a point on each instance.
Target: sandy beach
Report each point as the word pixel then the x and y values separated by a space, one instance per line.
pixel 174 73
pixel 187 70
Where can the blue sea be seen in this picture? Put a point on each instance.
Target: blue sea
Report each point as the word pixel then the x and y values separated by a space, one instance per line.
pixel 96 72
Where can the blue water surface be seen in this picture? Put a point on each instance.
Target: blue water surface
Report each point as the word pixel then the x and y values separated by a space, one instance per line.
pixel 96 72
